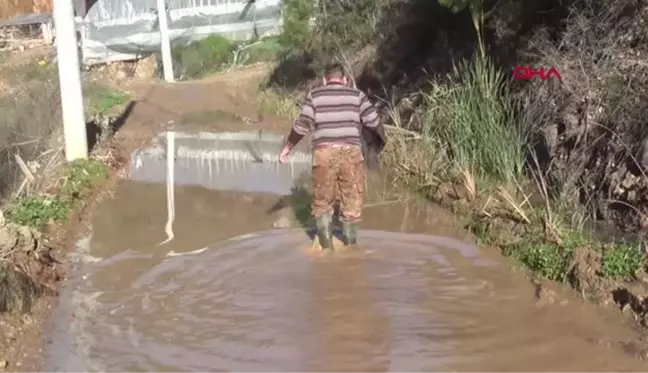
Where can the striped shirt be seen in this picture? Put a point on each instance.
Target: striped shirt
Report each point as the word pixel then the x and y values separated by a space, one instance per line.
pixel 335 114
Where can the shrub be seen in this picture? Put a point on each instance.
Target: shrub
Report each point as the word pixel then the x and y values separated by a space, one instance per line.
pixel 31 113
pixel 203 57
pixel 296 23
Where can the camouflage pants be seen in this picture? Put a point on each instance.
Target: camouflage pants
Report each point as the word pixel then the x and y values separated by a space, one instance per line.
pixel 338 171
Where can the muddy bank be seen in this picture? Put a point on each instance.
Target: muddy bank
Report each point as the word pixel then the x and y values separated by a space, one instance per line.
pixel 30 276
pixel 44 202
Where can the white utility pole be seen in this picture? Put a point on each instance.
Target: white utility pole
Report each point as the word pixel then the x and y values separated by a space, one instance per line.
pixel 165 45
pixel 74 125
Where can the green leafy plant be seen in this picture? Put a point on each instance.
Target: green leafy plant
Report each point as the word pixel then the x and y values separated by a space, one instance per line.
pixel 622 261
pixel 547 261
pixel 82 175
pixel 36 211
pixel 101 99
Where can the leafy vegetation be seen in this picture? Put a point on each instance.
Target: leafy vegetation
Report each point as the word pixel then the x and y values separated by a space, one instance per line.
pixel 622 261
pixel 474 116
pixel 100 99
pixel 203 57
pixel 36 211
pixel 214 53
pixel 296 23
pixel 41 209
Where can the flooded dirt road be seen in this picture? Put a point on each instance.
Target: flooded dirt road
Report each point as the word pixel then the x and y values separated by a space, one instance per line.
pixel 232 293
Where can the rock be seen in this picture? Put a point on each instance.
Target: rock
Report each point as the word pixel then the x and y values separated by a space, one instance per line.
pixel 8 238
pixel 4 364
pixel 628 181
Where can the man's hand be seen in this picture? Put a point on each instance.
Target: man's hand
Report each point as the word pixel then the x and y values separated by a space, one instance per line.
pixel 283 155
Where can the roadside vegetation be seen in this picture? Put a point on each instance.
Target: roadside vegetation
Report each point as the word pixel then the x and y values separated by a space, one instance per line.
pixel 39 190
pixel 537 168
pixel 216 53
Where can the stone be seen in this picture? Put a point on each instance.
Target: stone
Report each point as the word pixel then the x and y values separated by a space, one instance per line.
pixel 8 238
pixel 628 181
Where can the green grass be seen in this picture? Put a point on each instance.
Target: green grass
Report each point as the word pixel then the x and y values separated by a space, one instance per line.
pixel 39 210
pixel 554 261
pixel 545 260
pixel 83 175
pixel 36 211
pixel 101 99
pixel 473 115
pixel 622 261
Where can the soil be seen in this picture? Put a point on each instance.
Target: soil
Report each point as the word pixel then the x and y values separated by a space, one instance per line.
pixel 156 107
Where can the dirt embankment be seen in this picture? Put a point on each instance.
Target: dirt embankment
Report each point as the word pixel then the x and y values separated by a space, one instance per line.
pixel 44 200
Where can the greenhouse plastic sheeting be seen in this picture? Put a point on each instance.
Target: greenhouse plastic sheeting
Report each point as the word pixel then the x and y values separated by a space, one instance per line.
pixel 115 30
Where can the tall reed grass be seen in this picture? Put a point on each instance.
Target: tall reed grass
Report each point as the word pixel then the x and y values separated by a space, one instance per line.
pixel 473 115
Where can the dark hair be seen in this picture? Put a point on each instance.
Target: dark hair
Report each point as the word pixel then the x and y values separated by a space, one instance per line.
pixel 334 70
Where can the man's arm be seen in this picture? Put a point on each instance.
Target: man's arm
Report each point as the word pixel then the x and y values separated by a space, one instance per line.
pixel 304 124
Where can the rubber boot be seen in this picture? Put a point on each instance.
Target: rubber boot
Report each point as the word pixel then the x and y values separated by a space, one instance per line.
pixel 350 233
pixel 325 231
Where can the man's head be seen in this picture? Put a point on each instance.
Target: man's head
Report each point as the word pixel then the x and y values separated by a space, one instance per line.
pixel 334 73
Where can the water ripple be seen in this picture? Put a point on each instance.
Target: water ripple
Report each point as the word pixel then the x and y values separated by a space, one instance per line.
pixel 259 302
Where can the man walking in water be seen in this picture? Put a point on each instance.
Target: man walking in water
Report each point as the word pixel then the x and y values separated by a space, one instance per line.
pixel 336 115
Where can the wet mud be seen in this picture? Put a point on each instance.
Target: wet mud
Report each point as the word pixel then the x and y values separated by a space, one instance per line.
pixel 231 292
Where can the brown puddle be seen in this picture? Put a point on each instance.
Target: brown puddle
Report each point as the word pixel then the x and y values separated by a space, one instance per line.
pixel 253 300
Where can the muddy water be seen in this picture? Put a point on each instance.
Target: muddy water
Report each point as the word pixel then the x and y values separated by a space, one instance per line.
pixel 230 293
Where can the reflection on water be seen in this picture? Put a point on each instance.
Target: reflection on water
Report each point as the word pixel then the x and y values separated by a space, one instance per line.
pixel 259 302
